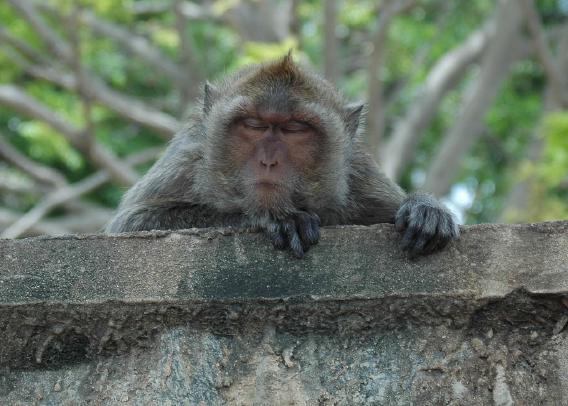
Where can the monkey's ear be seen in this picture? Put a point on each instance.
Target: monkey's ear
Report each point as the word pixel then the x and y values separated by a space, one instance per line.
pixel 352 116
pixel 210 93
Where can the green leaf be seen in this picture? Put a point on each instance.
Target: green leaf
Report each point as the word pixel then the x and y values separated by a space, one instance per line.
pixel 46 145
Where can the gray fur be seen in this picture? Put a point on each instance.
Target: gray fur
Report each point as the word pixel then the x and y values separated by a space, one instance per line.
pixel 193 185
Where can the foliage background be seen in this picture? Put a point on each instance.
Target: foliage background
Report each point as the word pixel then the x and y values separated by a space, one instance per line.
pixel 75 59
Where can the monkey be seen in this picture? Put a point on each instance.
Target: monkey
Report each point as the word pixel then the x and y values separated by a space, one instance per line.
pixel 275 147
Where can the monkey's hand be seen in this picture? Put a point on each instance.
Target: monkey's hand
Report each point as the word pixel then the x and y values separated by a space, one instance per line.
pixel 426 225
pixel 298 232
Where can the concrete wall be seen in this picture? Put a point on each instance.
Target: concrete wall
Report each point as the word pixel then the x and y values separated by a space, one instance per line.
pixel 216 317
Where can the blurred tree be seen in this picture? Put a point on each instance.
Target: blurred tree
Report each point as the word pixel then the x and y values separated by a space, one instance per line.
pixel 465 99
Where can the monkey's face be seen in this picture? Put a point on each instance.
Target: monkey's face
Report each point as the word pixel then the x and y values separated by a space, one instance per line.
pixel 277 139
pixel 276 154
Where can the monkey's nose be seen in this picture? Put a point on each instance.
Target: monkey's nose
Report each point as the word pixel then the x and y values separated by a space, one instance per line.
pixel 268 163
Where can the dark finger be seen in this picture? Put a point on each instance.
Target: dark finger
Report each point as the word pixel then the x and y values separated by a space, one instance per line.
pixel 401 218
pixel 294 241
pixel 408 238
pixel 308 228
pixel 276 236
pixel 315 229
pixel 444 232
pixel 437 241
pixel 427 226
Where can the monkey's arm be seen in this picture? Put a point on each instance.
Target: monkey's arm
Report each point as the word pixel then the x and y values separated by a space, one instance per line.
pixel 148 216
pixel 169 215
pixel 164 198
pixel 427 225
pixel 374 198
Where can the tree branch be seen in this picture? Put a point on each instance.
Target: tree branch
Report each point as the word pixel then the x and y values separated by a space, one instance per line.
pixel 85 222
pixel 23 48
pixel 264 21
pixel 42 173
pixel 52 200
pixel 17 99
pixel 54 42
pixel 148 7
pixel 8 217
pixel 376 115
pixel 127 107
pixel 544 54
pixel 67 193
pixel 73 29
pixel 190 10
pixel 187 84
pixel 137 45
pixel 521 197
pixel 14 185
pixel 330 41
pixel 295 21
pixel 133 109
pixel 466 129
pixel 401 146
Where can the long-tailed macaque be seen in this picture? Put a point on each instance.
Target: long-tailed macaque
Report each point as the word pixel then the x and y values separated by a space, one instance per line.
pixel 277 148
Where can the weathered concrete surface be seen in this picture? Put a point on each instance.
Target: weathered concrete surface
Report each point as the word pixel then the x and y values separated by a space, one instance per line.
pixel 218 317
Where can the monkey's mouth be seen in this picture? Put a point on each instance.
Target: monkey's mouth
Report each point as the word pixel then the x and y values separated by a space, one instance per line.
pixel 266 184
pixel 267 188
pixel 268 195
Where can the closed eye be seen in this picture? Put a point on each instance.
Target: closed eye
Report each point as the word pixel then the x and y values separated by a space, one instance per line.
pixel 254 124
pixel 295 127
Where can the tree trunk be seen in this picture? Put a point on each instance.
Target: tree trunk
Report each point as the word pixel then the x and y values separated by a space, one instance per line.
pixel 330 50
pixel 480 95
pixel 401 146
pixel 375 96
pixel 519 200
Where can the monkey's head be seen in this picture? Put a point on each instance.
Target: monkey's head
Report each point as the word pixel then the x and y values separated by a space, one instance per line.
pixel 277 138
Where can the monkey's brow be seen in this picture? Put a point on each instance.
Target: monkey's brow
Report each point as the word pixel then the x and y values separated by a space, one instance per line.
pixel 287 121
pixel 248 109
